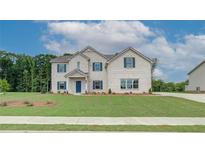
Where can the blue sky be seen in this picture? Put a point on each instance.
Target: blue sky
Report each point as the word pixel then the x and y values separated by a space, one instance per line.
pixel 179 45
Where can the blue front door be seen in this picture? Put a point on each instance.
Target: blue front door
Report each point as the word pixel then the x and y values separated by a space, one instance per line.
pixel 78 86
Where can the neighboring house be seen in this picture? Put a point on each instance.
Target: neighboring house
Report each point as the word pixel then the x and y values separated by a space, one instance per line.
pixel 196 78
pixel 92 71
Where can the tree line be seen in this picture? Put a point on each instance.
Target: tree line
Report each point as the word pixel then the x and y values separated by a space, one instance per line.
pixel 26 73
pixel 162 86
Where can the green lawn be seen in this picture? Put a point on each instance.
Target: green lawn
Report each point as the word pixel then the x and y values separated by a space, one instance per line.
pixel 107 106
pixel 139 128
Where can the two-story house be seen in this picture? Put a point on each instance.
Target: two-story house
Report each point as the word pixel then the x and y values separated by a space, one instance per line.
pixel 196 78
pixel 92 71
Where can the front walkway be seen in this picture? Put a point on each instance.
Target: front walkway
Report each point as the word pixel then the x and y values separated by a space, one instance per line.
pixel 193 97
pixel 103 120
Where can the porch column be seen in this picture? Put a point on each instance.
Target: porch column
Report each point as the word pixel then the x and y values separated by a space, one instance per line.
pixel 68 85
pixel 86 84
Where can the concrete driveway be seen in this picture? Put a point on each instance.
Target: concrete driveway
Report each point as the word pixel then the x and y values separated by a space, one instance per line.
pixel 194 97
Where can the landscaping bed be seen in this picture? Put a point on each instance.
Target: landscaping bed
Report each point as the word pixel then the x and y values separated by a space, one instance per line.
pixel 24 104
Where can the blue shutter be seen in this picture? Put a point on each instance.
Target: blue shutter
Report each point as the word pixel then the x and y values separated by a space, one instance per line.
pixel 93 66
pixel 64 67
pixel 100 66
pixel 133 60
pixel 58 85
pixel 65 85
pixel 57 67
pixel 125 63
pixel 93 84
pixel 101 84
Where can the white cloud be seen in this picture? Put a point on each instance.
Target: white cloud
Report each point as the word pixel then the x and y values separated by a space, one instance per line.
pixel 57 47
pixel 159 74
pixel 113 36
pixel 106 35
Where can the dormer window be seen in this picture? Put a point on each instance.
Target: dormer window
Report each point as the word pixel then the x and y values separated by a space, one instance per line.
pixel 61 68
pixel 129 62
pixel 97 66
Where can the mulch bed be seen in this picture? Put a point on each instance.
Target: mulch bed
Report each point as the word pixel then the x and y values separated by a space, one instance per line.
pixel 25 104
pixel 106 94
pixel 119 94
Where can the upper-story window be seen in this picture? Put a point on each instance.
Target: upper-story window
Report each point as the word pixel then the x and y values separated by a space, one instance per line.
pixel 61 68
pixel 129 62
pixel 78 65
pixel 97 66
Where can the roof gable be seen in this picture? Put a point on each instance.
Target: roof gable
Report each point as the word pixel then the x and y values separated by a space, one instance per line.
pixel 76 71
pixel 81 54
pixel 196 67
pixel 94 50
pixel 129 49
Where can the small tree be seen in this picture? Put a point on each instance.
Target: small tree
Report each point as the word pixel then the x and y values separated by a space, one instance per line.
pixel 4 85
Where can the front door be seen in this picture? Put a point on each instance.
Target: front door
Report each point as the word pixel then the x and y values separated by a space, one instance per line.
pixel 78 86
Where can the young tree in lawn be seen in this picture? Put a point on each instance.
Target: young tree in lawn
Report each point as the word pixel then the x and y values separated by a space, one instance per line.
pixel 4 85
pixel 7 68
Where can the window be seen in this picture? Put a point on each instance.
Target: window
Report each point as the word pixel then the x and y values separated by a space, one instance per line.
pixel 135 84
pixel 123 84
pixel 97 84
pixel 129 83
pixel 78 65
pixel 129 62
pixel 61 68
pixel 61 85
pixel 97 66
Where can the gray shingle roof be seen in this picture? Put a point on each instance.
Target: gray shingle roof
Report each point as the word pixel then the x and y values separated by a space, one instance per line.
pixel 65 59
pixel 61 59
pixel 109 56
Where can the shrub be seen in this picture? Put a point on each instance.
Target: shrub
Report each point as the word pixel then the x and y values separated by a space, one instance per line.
pixel 30 104
pixel 4 85
pixel 94 93
pixel 49 102
pixel 150 91
pixel 109 91
pixel 3 104
pixel 26 102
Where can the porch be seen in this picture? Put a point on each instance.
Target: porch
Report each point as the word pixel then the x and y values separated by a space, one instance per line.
pixel 77 82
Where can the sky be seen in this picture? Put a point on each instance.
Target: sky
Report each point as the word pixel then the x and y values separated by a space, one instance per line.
pixel 178 45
